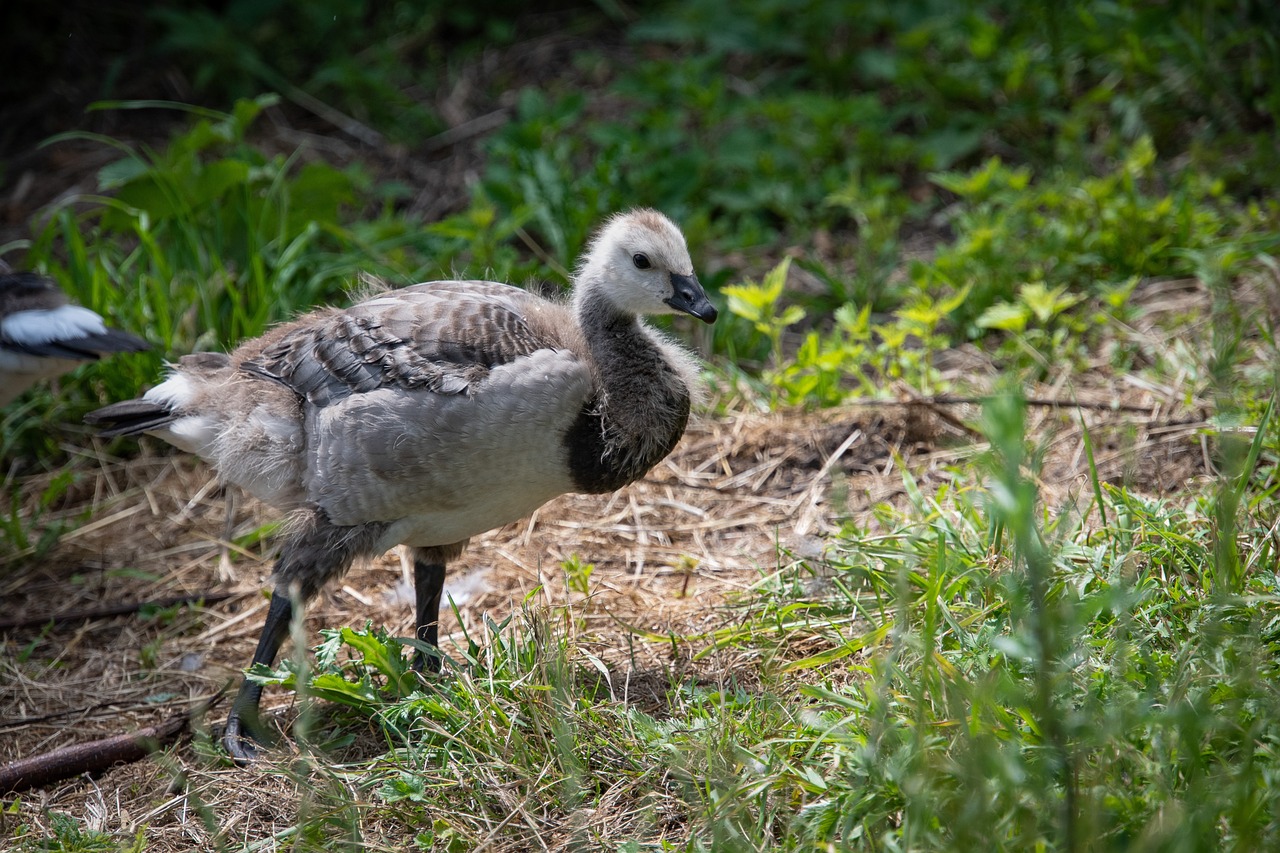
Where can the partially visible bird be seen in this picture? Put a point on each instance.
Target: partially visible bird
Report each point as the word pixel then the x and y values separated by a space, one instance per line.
pixel 42 335
pixel 427 415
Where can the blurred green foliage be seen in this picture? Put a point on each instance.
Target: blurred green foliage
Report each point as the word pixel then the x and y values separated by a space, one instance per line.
pixel 1043 151
pixel 378 62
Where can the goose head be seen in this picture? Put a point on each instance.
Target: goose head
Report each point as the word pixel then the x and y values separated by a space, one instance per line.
pixel 639 264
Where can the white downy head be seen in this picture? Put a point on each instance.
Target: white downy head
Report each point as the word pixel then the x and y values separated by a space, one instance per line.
pixel 639 263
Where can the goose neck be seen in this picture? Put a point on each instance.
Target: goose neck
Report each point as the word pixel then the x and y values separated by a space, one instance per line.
pixel 640 407
pixel 603 324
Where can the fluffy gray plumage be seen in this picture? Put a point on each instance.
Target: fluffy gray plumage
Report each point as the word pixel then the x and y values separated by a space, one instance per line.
pixel 426 415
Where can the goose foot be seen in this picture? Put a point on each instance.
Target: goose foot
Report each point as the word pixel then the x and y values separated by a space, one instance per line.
pixel 241 738
pixel 241 745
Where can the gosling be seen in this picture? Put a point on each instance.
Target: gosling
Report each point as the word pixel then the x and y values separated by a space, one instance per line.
pixel 430 414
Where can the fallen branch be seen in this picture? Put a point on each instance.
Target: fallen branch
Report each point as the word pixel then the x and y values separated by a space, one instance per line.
pixel 54 715
pixel 110 610
pixel 97 756
pixel 1050 402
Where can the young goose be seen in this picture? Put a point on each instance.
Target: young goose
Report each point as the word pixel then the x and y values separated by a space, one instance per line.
pixel 427 415
pixel 42 336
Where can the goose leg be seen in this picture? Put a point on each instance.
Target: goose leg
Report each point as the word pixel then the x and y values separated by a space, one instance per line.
pixel 428 583
pixel 243 731
pixel 318 552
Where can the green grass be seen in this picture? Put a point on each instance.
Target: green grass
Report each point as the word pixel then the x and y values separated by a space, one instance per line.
pixel 992 675
pixel 979 670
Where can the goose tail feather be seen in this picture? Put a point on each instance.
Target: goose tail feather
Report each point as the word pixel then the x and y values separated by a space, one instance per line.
pixel 130 417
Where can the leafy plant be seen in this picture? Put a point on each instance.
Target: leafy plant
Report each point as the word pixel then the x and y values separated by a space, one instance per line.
pixel 1038 322
pixel 854 357
pixel 578 574
pixel 758 304
pixel 1071 236
pixel 878 209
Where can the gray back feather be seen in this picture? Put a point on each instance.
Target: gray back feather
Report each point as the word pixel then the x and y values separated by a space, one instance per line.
pixel 442 337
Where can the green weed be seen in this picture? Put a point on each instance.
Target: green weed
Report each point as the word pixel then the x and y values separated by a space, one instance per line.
pixel 578 574
pixel 854 357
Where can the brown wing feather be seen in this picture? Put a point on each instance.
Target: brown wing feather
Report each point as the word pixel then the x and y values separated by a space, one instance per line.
pixel 442 337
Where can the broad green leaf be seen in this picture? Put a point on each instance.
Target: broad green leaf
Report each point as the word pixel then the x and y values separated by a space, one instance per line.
pixel 1005 316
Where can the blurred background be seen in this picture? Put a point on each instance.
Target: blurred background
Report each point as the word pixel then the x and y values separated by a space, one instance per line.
pixel 196 171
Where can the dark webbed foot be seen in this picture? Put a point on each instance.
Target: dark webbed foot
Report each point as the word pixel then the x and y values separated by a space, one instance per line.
pixel 239 740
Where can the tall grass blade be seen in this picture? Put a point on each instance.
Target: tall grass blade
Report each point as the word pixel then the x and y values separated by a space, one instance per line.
pixel 1094 480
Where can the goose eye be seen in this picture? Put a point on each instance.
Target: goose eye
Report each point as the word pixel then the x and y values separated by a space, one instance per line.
pixel 641 261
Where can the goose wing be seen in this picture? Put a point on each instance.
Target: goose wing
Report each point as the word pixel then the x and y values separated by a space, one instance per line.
pixel 442 337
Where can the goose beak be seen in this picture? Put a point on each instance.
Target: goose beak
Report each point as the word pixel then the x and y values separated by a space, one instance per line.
pixel 688 296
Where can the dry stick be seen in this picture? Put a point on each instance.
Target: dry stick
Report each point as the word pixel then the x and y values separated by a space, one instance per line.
pixel 317 107
pixel 938 409
pixel 83 711
pixel 97 755
pixel 542 253
pixel 950 400
pixel 92 757
pixel 1053 402
pixel 110 610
